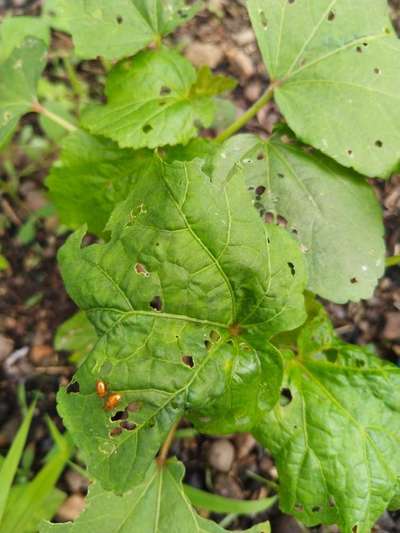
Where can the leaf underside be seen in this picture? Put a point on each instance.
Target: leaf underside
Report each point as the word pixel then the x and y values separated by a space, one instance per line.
pixel 337 63
pixel 189 282
pixel 333 211
pixel 158 505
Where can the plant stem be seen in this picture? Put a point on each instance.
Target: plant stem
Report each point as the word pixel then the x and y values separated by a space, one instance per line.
pixel 74 80
pixel 393 261
pixel 248 115
pixel 38 108
pixel 163 455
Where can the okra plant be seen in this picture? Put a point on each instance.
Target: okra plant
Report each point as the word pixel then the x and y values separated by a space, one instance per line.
pixel 202 284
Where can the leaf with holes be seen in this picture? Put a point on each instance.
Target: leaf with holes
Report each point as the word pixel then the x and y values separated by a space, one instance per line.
pixel 121 28
pixel 189 279
pixel 333 435
pixel 336 69
pixel 19 76
pixel 332 210
pixel 158 505
pixel 154 99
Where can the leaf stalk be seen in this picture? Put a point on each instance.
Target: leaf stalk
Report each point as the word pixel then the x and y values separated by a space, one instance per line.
pixel 38 108
pixel 163 455
pixel 249 114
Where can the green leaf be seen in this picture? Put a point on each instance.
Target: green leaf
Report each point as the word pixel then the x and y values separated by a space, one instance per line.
pixel 333 436
pixel 219 504
pixel 10 464
pixel 336 63
pixel 155 99
pixel 333 211
pixel 52 11
pixel 121 28
pixel 76 335
pixel 92 176
pixel 4 264
pixel 188 277
pixel 19 76
pixel 14 30
pixel 158 505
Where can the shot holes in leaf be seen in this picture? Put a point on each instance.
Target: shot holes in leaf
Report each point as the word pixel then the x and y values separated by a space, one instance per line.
pixel 187 360
pixel 119 415
pixel 292 268
pixel 156 303
pixel 115 432
pixel 147 128
pixel 285 397
pixel 127 425
pixel 134 407
pixel 73 388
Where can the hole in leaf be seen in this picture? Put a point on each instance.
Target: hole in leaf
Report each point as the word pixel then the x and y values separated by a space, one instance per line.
pixel 298 508
pixel 129 426
pixel 316 509
pixel 294 231
pixel 354 529
pixel 359 49
pixel 141 270
pixel 379 144
pixel 269 217
pixel 264 20
pixel 207 344
pixel 377 70
pixel 164 91
pixel 365 44
pixel 354 280
pixel 282 221
pixel 187 360
pixel 119 415
pixel 360 363
pixel 115 432
pixel 280 175
pixel 286 397
pixel 147 128
pixel 73 388
pixel 156 303
pixel 134 407
pixel 350 152
pixel 292 268
pixel 260 156
pixel 120 20
pixel 331 16
pixel 291 1
pixel 215 336
pixel 260 190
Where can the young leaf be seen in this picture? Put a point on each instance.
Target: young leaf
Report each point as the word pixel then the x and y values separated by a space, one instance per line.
pixel 155 99
pixel 188 278
pixel 19 75
pixel 121 28
pixel 335 63
pixel 333 211
pixel 332 440
pixel 158 505
pixel 93 175
pixel 14 30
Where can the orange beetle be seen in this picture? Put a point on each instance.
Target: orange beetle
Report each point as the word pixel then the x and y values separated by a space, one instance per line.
pixel 112 401
pixel 101 389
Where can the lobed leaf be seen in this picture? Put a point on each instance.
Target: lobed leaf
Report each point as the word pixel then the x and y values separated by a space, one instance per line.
pixel 19 76
pixel 332 210
pixel 121 28
pixel 189 280
pixel 331 434
pixel 155 99
pixel 158 505
pixel 336 67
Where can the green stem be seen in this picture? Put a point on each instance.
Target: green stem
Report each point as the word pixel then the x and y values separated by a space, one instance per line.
pixel 248 115
pixel 76 85
pixel 393 261
pixel 38 108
